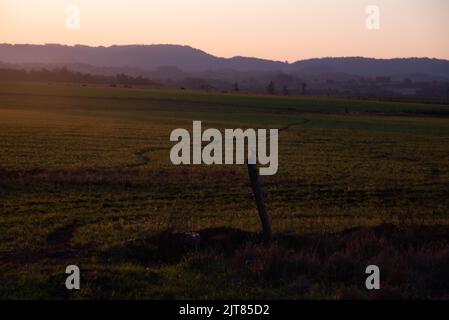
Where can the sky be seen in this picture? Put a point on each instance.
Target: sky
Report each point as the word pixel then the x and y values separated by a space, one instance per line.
pixel 285 30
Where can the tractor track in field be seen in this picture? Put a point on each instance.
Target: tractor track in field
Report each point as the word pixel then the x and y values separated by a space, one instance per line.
pixel 144 158
pixel 58 247
pixel 295 124
pixel 143 154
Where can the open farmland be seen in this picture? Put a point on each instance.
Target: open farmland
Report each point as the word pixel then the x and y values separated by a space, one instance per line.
pixel 86 179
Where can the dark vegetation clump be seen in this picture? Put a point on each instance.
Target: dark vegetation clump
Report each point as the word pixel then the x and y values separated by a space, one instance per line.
pixel 414 260
pixel 226 263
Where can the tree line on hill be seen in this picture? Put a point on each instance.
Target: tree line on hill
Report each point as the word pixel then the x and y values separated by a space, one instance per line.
pixel 268 83
pixel 65 75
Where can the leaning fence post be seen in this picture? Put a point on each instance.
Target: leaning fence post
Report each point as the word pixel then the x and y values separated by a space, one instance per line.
pixel 263 214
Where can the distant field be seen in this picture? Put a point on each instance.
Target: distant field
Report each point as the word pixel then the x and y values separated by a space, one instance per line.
pixel 84 171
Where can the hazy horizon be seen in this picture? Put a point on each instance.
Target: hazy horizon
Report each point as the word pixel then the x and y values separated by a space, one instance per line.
pixel 227 57
pixel 282 30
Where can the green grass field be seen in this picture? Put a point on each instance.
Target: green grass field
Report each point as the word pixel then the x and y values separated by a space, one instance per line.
pixel 85 172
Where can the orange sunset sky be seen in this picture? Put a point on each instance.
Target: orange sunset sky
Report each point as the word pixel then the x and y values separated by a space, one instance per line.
pixel 273 29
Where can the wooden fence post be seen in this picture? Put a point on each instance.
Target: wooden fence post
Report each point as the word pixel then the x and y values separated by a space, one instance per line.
pixel 263 214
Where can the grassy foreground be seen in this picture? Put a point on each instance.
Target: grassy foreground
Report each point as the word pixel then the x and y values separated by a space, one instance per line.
pixel 86 179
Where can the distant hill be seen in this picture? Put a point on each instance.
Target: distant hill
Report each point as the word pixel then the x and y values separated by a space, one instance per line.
pixel 179 59
pixel 405 67
pixel 136 56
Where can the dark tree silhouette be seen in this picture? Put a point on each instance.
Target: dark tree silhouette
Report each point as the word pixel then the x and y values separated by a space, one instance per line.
pixel 447 90
pixel 235 87
pixel 285 91
pixel 303 88
pixel 270 88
